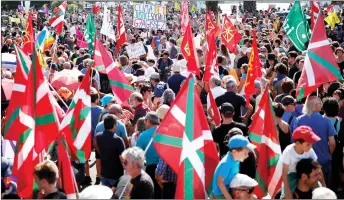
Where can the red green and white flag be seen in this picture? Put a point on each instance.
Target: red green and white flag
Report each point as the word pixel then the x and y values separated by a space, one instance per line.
pixel 320 65
pixel 57 21
pixel 76 125
pixel 184 141
pixel 120 85
pixel 67 178
pixel 103 61
pixel 263 134
pixel 13 127
pixel 37 115
pixel 214 109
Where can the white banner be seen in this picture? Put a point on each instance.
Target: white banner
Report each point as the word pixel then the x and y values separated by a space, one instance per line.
pixel 149 16
pixel 107 26
pixel 135 50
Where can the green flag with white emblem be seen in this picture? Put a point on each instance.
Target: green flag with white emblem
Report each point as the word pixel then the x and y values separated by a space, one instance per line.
pixel 296 27
pixel 90 33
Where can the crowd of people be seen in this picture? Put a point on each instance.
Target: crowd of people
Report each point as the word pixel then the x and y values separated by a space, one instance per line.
pixel 310 131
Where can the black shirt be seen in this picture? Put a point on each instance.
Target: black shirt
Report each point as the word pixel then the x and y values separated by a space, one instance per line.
pixel 56 195
pixel 236 100
pixel 142 187
pixel 110 148
pixel 302 195
pixel 248 166
pixel 242 60
pixel 293 69
pixel 220 132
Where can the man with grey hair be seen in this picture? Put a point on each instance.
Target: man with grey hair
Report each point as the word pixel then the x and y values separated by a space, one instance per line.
pixel 136 102
pixel 323 128
pixel 236 100
pixel 141 183
pixel 144 142
pixel 67 65
pixel 216 89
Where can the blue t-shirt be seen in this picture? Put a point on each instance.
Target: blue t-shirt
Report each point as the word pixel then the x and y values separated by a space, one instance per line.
pixel 333 122
pixel 120 130
pixel 152 156
pixel 95 113
pixel 323 128
pixel 286 117
pixel 175 81
pixel 227 169
pixel 159 89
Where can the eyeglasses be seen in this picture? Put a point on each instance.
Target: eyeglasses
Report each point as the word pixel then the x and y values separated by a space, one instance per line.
pixel 112 102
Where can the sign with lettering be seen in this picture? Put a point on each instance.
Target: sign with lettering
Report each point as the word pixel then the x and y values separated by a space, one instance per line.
pixel 149 16
pixel 135 50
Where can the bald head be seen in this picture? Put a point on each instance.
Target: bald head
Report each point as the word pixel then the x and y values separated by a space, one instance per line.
pixel 115 109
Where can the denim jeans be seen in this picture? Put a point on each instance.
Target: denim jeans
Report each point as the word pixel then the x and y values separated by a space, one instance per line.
pixel 108 182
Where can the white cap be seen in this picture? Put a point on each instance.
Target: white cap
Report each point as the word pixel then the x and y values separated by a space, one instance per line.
pixel 162 111
pixel 242 180
pixel 182 64
pixel 96 192
pixel 176 68
pixel 243 49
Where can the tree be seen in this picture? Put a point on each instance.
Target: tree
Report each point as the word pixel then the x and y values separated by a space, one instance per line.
pixel 213 6
pixel 72 5
pixel 250 6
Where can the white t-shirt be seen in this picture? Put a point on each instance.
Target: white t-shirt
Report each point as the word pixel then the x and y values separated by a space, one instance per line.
pixel 291 158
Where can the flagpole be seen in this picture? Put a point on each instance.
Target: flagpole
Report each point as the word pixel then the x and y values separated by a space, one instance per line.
pixel 126 185
pixel 60 98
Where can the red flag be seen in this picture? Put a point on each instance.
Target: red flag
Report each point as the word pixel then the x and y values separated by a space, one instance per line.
pixel 315 5
pixel 210 25
pixel 57 21
pixel 230 36
pixel 120 35
pixel 264 135
pixel 188 51
pixel 28 38
pixel 184 141
pixel 320 65
pixel 214 110
pixel 103 61
pixel 184 16
pixel 81 42
pixel 66 178
pixel 37 115
pixel 329 9
pixel 95 9
pixel 13 129
pixel 77 123
pixel 254 71
pixel 211 68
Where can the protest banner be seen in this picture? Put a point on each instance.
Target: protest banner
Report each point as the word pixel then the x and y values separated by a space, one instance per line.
pixel 107 25
pixel 135 50
pixel 148 16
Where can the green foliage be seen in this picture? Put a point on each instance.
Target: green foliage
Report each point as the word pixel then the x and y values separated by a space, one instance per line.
pixel 213 6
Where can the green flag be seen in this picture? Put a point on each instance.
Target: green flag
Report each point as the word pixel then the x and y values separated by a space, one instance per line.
pixel 90 33
pixel 296 27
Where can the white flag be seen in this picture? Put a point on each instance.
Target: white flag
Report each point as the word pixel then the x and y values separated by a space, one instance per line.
pixel 107 26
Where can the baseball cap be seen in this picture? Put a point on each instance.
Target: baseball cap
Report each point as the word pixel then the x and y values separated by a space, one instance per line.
pixel 242 180
pixel 305 133
pixel 227 108
pixel 96 192
pixel 155 75
pixel 162 110
pixel 239 141
pixel 287 100
pixel 176 68
pixel 107 99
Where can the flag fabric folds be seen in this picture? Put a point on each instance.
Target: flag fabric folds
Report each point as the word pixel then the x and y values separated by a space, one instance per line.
pixel 230 36
pixel 296 27
pixel 183 140
pixel 184 16
pixel 315 6
pixel 189 52
pixel 332 19
pixel 320 65
pixel 120 34
pixel 76 125
pixel 29 36
pixel 264 135
pixel 57 21
pixel 90 33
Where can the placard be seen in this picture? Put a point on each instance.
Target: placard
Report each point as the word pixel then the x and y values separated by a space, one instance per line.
pixel 149 16
pixel 135 50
